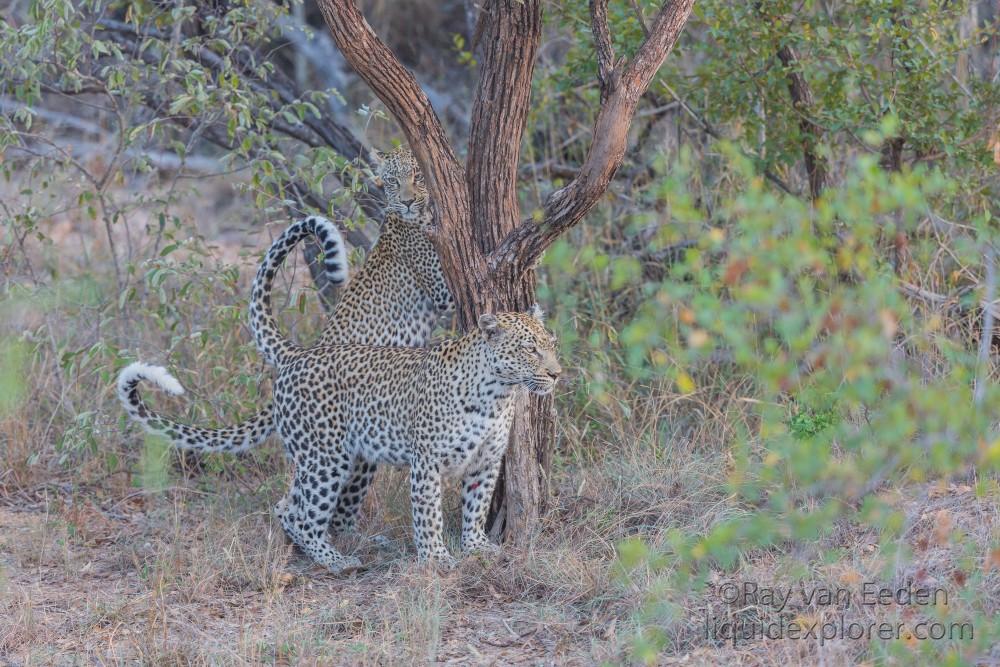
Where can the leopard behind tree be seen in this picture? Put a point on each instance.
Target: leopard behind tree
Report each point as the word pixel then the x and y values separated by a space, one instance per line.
pixel 400 292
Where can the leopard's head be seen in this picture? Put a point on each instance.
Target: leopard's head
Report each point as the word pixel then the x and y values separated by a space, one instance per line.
pixel 523 351
pixel 398 174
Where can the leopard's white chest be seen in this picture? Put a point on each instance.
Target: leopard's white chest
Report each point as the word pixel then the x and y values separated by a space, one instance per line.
pixel 476 439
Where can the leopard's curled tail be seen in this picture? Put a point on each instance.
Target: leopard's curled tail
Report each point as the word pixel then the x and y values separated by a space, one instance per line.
pixel 277 349
pixel 232 439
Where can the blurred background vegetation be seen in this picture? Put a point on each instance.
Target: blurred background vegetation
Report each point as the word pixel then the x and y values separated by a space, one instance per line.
pixel 779 325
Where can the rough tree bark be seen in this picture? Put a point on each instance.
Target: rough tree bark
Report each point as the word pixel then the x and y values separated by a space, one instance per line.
pixel 803 102
pixel 487 250
pixel 812 134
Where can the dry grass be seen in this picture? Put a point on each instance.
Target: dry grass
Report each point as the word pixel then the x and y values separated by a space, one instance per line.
pixel 171 579
pixel 207 578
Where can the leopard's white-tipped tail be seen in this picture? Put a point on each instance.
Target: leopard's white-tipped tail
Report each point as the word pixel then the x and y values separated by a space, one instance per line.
pixel 158 375
pixel 233 439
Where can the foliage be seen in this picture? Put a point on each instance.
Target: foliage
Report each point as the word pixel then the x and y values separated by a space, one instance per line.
pixel 864 62
pixel 180 78
pixel 855 389
pixel 831 319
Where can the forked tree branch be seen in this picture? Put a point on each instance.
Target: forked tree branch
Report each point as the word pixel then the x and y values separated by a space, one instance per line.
pixel 568 205
pixel 469 257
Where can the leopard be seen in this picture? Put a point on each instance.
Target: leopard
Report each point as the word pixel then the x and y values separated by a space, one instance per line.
pixel 400 292
pixel 445 411
pixel 395 299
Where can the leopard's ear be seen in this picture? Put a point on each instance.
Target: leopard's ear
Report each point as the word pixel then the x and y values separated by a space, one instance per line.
pixel 489 325
pixel 536 311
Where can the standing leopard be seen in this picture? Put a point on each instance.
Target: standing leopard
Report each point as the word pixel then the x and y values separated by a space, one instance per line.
pixel 444 412
pixel 395 299
pixel 400 291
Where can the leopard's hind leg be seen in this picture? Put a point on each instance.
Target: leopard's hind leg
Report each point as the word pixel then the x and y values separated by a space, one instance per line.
pixel 305 511
pixel 345 514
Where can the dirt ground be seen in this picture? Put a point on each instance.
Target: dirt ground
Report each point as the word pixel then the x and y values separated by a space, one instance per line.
pixel 201 575
pixel 151 579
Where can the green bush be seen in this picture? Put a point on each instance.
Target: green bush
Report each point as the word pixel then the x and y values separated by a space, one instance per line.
pixel 854 391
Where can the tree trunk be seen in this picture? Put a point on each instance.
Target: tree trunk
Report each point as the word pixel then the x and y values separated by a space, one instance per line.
pixel 509 33
pixel 812 134
pixel 527 469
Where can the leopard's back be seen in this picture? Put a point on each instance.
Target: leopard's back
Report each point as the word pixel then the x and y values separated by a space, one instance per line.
pixel 398 295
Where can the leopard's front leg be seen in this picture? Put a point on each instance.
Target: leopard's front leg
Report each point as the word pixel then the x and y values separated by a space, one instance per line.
pixel 477 492
pixel 425 499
